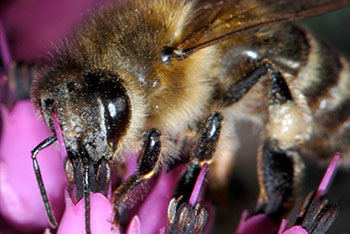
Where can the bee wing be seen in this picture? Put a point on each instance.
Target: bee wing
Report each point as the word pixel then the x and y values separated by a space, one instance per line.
pixel 216 20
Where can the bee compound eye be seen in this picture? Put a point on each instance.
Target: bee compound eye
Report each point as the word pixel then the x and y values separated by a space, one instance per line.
pixel 112 95
pixel 117 111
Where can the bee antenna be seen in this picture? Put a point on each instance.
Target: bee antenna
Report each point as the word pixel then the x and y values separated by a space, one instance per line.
pixel 87 199
pixel 47 142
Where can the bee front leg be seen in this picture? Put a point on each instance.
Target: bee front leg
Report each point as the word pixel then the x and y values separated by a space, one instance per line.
pixel 124 197
pixel 279 163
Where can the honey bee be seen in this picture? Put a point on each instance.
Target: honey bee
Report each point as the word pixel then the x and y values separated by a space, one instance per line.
pixel 167 65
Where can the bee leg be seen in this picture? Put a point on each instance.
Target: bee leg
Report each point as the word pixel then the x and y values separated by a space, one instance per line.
pixel 316 214
pixel 278 175
pixel 279 164
pixel 47 142
pixel 221 168
pixel 201 153
pixel 127 195
pixel 185 218
pixel 239 89
pixel 185 214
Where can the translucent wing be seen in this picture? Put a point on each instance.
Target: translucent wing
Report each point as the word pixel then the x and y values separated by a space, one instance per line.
pixel 216 20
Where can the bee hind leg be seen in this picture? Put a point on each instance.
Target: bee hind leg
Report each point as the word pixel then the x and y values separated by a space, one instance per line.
pixel 279 163
pixel 279 175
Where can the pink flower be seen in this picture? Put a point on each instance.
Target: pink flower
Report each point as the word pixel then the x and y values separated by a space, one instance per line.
pixel 150 218
pixel 255 224
pixel 19 192
pixel 73 218
pixel 35 26
pixel 263 224
pixel 22 132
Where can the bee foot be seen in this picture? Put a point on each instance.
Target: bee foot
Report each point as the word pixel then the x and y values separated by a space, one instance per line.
pixel 184 218
pixel 317 214
pixel 271 207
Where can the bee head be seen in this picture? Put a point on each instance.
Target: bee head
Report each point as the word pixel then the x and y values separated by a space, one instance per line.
pixel 93 110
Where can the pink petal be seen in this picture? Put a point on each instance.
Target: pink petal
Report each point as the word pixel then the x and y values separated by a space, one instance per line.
pixel 73 220
pixel 153 212
pixel 19 192
pixel 34 26
pixel 47 231
pixel 256 224
pixel 283 226
pixel 198 186
pixel 296 230
pixel 131 166
pixel 328 176
pixel 134 226
pixel 162 230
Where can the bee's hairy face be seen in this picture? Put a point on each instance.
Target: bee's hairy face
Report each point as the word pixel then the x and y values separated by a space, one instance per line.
pixel 93 110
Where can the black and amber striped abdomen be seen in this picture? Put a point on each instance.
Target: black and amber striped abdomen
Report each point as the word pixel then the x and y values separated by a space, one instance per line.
pixel 324 82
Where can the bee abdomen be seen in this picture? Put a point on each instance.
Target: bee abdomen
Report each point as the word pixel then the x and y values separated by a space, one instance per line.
pixel 324 81
pixel 331 108
pixel 320 74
